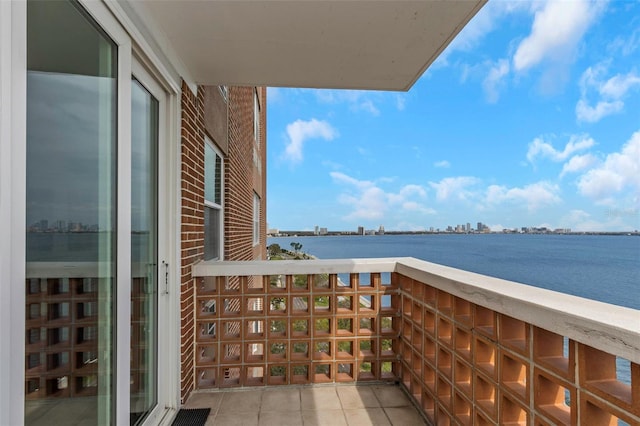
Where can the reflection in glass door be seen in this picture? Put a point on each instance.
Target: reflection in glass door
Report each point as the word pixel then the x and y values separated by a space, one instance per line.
pixel 144 252
pixel 71 217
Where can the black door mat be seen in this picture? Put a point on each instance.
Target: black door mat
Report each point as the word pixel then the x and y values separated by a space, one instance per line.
pixel 191 417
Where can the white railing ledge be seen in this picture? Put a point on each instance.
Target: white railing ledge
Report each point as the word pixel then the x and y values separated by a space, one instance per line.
pixel 610 328
pixel 293 267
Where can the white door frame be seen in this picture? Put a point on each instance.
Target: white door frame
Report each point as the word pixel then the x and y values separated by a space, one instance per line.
pixel 164 254
pixel 13 52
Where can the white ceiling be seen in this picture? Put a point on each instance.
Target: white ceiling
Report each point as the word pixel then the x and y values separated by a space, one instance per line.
pixel 360 44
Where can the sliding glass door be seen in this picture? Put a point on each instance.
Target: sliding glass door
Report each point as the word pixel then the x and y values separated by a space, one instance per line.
pixel 71 216
pixel 96 278
pixel 144 251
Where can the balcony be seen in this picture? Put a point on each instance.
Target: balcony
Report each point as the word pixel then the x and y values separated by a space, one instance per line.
pixel 464 348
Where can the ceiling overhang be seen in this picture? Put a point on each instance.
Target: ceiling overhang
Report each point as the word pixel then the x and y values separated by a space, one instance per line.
pixel 363 44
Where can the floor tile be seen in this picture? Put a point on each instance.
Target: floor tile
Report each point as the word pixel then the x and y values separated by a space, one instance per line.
pixel 391 396
pixel 204 400
pixel 324 398
pixel 241 402
pixel 323 418
pixel 405 416
pixel 357 397
pixel 233 419
pixel 280 400
pixel 371 405
pixel 367 417
pixel 274 418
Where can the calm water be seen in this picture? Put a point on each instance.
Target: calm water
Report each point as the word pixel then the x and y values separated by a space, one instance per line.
pixel 605 268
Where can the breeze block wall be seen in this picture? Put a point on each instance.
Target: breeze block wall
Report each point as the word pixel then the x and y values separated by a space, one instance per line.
pixel 192 225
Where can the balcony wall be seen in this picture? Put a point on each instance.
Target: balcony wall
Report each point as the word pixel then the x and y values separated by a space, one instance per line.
pixel 468 348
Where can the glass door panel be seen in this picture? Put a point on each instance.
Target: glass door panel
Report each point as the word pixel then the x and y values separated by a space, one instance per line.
pixel 70 215
pixel 144 252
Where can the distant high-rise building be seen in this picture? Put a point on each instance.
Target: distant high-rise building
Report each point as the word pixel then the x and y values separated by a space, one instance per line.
pixel 468 227
pixel 360 230
pixel 316 230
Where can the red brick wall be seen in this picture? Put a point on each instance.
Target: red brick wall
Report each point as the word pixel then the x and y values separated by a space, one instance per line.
pixel 242 179
pixel 192 226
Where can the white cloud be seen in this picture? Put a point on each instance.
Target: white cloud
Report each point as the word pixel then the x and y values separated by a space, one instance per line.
pixel 370 202
pixel 493 81
pixel 534 196
pixel 454 188
pixel 443 164
pixel 301 131
pixel 485 21
pixel 557 28
pixel 358 100
pixel 274 94
pixel 401 102
pixel 578 163
pixel 592 114
pixel 579 220
pixel 610 93
pixel 625 46
pixel 619 170
pixel 617 86
pixel 539 148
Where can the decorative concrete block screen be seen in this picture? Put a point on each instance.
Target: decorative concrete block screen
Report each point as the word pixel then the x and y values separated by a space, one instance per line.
pixel 466 364
pixel 296 329
pixel 469 349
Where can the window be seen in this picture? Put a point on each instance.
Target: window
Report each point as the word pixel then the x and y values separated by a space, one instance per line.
pixel 256 118
pixel 224 91
pixel 256 219
pixel 212 202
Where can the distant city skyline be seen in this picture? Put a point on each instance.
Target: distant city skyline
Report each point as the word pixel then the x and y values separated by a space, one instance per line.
pixel 509 125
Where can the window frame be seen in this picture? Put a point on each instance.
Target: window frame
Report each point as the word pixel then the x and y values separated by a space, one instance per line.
pixel 212 204
pixel 256 219
pixel 256 117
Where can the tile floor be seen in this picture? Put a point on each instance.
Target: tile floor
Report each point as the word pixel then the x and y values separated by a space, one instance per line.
pixel 309 406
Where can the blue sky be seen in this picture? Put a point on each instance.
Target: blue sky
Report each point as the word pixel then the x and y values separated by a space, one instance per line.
pixel 531 117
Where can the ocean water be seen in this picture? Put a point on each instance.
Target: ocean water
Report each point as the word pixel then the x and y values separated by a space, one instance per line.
pixel 598 267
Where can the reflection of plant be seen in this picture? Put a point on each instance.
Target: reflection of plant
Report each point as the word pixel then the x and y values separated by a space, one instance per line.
pixel 322 324
pixel 278 348
pixel 300 325
pixel 274 250
pixel 321 280
pixel 278 304
pixel 300 281
pixel 344 302
pixel 301 347
pixel 322 347
pixel 322 369
pixel 278 371
pixel 386 344
pixel 275 281
pixel 345 346
pixel 300 370
pixel 321 302
pixel 386 322
pixel 278 326
pixel 344 324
